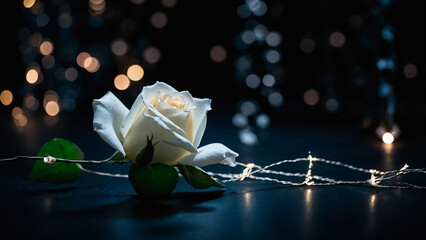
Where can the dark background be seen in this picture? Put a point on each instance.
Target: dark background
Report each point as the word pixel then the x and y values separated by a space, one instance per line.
pixel 194 27
pixel 108 208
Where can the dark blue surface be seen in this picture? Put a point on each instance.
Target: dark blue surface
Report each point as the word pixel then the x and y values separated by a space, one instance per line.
pixel 107 208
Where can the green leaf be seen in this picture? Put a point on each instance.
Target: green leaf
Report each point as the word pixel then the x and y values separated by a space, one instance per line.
pixel 154 180
pixel 197 177
pixel 59 172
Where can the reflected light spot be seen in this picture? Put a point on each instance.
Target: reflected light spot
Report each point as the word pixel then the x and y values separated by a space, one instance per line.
pixel 121 82
pixel 307 45
pixel 46 47
pixel 337 39
pixel 152 55
pixel 119 47
pixel 218 53
pixel 372 200
pixel 28 3
pixel 81 58
pixel 388 138
pixel 410 71
pixel 159 20
pixel 311 97
pixel 247 199
pixel 6 97
pixel 52 108
pixel 32 76
pixel 135 72
pixel 91 64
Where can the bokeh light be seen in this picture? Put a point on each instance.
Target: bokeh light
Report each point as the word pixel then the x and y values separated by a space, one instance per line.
pixel 337 39
pixel 248 108
pixel 81 58
pixel 410 71
pixel 119 47
pixel 276 99
pixel 91 64
pixel 159 20
pixel 48 62
pixel 311 97
pixel 46 47
pixel 388 138
pixel 19 117
pixel 307 45
pixel 135 72
pixel 273 39
pixel 32 75
pixel 252 81
pixel 52 108
pixel 263 121
pixel 218 53
pixel 121 82
pixel 28 3
pixel 71 74
pixel 152 55
pixel 268 80
pixel 272 56
pixel 169 3
pixel 332 105
pixel 31 102
pixel 6 97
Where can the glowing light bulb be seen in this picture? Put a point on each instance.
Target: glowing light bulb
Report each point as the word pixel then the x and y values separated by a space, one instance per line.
pixel 388 138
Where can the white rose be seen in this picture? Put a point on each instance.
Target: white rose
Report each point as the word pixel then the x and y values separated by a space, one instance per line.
pixel 175 120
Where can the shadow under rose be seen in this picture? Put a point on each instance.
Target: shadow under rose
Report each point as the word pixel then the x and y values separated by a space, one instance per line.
pixel 141 208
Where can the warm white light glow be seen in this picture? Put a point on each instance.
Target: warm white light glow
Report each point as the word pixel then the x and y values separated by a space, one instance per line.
pixel 6 97
pixel 52 108
pixel 32 76
pixel 121 82
pixel 388 138
pixel 135 72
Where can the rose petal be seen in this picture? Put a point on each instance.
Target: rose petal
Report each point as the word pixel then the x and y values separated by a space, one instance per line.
pixel 199 115
pixel 135 110
pixel 109 113
pixel 210 154
pixel 163 137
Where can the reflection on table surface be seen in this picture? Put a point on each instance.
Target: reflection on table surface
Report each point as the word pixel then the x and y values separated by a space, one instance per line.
pixel 100 207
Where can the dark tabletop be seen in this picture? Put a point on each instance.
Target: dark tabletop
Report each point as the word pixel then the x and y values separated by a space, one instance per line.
pixel 96 207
